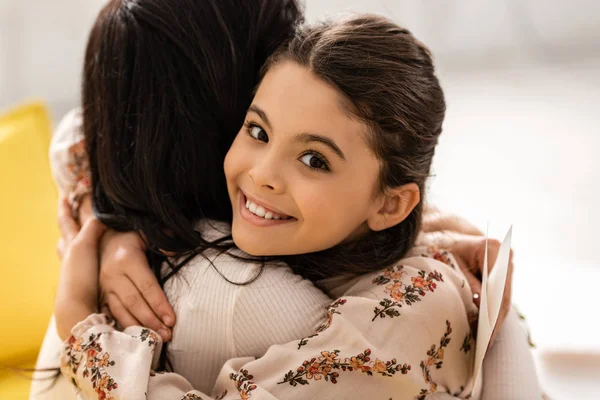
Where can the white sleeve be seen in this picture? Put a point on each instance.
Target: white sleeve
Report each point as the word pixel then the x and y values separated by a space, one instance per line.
pixel 43 384
pixel 68 159
pixel 508 368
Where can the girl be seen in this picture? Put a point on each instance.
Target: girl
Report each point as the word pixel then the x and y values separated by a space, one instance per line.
pixel 163 196
pixel 328 170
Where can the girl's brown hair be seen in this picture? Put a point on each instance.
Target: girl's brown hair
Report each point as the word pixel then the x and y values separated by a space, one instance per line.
pixel 387 77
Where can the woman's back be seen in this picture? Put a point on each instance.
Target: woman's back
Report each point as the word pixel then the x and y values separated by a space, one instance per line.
pixel 218 320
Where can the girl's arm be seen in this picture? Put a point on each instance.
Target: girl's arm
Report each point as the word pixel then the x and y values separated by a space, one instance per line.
pixel 130 304
pixel 401 333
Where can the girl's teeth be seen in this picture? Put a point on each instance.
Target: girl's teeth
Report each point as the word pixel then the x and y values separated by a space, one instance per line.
pixel 261 212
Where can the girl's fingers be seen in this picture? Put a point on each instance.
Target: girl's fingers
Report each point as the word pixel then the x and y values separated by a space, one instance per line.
pixel 105 310
pixel 119 312
pixel 475 285
pixel 67 225
pixel 147 285
pixel 86 211
pixel 91 232
pixel 133 301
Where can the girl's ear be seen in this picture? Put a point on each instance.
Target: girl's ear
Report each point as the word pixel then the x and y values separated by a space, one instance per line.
pixel 394 206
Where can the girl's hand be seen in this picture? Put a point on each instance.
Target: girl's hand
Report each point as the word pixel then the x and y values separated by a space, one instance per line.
pixel 129 291
pixel 68 225
pixel 77 295
pixel 467 244
pixel 129 288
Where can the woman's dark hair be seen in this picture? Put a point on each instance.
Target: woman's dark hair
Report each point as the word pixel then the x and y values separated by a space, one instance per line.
pixel 387 79
pixel 166 86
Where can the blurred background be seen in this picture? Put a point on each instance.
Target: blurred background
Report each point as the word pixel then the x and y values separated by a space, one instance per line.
pixel 522 79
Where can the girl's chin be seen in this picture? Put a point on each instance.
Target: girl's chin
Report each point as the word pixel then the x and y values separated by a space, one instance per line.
pixel 257 248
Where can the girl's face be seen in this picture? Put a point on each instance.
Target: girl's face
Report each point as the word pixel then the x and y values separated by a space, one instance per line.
pixel 300 174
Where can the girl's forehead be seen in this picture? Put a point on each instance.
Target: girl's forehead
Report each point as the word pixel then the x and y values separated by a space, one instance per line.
pixel 294 99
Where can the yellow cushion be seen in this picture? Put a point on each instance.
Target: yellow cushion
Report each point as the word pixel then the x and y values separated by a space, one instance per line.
pixel 29 265
pixel 14 386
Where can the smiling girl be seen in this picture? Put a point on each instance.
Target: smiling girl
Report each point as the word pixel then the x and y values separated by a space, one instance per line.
pixel 328 173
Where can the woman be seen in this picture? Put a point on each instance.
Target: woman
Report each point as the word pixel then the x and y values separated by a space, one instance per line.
pixel 167 220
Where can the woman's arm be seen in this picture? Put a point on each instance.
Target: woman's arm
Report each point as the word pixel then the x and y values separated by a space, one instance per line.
pixel 402 332
pixel 509 369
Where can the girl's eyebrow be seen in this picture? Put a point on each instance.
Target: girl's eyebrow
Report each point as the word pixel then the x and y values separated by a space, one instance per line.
pixel 311 137
pixel 263 115
pixel 302 137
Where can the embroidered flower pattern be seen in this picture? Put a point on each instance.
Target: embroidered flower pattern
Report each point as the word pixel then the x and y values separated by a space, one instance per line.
pixel 243 384
pixel 96 363
pixel 191 396
pixel 401 293
pixel 467 342
pixel 435 359
pixel 329 365
pixel 440 255
pixel 333 309
pixel 149 336
pixel 78 163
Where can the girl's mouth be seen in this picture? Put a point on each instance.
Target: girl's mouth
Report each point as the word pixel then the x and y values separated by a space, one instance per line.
pixel 257 214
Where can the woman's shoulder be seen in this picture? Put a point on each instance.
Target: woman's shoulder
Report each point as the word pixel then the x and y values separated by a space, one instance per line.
pixel 423 270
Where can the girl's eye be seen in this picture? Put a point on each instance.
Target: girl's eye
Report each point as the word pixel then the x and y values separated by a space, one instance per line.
pixel 258 133
pixel 315 161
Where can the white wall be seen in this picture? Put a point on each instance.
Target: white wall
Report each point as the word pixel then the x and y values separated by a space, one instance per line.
pixel 41 49
pixel 457 27
pixel 42 42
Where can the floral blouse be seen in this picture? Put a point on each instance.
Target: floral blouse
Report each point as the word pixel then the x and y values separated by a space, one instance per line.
pixel 400 333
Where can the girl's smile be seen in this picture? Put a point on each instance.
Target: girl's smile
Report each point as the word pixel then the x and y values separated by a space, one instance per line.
pixel 260 214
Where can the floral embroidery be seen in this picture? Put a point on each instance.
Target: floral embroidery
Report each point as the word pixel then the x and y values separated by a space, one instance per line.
pixel 402 293
pixel 435 357
pixel 328 364
pixel 79 165
pixel 330 311
pixel 440 255
pixel 304 341
pixel 243 383
pixel 524 321
pixel 191 396
pixel 466 346
pixel 95 363
pixel 149 336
